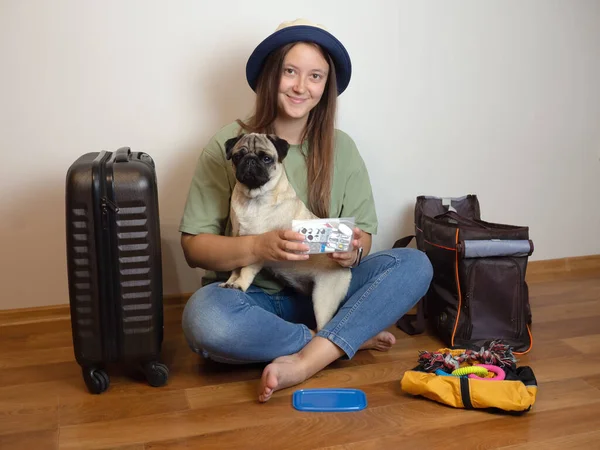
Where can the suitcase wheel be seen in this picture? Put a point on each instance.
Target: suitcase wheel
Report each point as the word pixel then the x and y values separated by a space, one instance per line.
pixel 96 380
pixel 156 373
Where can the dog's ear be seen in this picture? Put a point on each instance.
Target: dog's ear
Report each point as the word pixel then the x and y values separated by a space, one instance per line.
pixel 281 145
pixel 230 143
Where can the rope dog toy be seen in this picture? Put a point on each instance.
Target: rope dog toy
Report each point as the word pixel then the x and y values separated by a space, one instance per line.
pixel 495 352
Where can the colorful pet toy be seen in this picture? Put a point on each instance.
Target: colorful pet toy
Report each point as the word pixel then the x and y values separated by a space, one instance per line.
pixel 500 374
pixel 470 370
pixel 497 353
pixel 477 372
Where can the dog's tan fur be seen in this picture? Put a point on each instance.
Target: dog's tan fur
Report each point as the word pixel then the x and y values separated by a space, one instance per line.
pixel 273 206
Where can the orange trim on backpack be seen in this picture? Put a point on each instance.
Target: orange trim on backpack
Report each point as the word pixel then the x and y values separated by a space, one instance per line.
pixel 530 343
pixel 459 293
pixel 439 246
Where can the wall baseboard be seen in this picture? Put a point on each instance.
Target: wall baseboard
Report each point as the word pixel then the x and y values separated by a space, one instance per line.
pixel 537 271
pixel 50 313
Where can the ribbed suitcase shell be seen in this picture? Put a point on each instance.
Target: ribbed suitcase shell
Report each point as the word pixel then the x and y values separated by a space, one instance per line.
pixel 114 264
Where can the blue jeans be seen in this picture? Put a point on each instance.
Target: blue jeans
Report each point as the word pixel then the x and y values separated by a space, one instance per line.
pixel 231 326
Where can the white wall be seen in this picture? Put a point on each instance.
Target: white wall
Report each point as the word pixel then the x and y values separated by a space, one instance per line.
pixel 496 98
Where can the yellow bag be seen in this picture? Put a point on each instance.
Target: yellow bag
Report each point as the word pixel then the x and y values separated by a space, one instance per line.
pixel 515 393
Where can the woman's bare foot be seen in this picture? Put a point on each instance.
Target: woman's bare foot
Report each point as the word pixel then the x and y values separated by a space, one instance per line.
pixel 290 370
pixel 283 372
pixel 293 369
pixel 382 342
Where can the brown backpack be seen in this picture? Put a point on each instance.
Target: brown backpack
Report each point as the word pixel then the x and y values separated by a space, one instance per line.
pixel 478 292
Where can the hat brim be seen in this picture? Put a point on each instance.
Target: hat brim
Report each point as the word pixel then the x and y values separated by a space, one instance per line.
pixel 305 33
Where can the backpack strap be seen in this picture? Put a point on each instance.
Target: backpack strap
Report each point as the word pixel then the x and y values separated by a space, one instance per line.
pixel 405 323
pixel 403 242
pixel 460 219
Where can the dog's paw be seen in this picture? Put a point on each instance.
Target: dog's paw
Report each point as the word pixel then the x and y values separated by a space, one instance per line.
pixel 231 285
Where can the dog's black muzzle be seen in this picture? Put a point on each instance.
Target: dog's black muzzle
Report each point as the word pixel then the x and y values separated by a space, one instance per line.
pixel 252 172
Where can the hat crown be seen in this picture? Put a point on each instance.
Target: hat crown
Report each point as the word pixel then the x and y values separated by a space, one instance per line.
pixel 301 30
pixel 297 22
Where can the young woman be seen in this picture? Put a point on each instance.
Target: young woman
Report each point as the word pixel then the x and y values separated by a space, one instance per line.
pixel 297 74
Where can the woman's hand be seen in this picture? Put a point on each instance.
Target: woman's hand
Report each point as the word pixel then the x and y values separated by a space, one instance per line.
pixel 280 245
pixel 347 259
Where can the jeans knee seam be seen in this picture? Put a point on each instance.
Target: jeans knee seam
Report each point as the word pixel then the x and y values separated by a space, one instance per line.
pixel 224 359
pixel 276 300
pixel 383 253
pixel 307 335
pixel 238 293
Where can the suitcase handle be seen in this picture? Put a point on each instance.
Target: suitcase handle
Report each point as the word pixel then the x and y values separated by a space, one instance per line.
pixel 122 154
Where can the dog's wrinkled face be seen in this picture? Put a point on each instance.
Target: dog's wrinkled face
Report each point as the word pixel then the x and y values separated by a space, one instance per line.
pixel 256 157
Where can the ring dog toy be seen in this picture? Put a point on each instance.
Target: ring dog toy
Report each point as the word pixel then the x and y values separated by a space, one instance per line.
pixel 500 374
pixel 479 370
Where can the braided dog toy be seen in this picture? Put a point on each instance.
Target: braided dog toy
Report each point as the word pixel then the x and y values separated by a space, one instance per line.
pixel 497 353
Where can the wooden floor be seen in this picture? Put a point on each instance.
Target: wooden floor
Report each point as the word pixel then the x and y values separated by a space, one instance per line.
pixel 44 404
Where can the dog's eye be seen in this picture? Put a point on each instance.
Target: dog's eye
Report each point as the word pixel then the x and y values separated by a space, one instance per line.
pixel 267 159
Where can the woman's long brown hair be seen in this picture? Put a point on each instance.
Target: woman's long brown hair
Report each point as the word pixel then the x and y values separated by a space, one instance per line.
pixel 319 131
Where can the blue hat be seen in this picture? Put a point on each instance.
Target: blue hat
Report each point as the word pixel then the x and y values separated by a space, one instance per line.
pixel 296 31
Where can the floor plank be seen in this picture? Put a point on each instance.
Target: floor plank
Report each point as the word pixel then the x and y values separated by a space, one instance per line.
pixel 585 344
pixel 28 408
pixel 559 291
pixel 47 439
pixel 571 441
pixel 567 310
pixel 73 409
pixel 35 357
pixel 37 374
pixel 567 328
pixel 563 368
pixel 593 380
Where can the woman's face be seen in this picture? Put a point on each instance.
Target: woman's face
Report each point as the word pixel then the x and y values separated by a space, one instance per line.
pixel 303 80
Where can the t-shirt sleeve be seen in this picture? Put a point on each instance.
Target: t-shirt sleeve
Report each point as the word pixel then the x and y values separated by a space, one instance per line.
pixel 207 206
pixel 358 194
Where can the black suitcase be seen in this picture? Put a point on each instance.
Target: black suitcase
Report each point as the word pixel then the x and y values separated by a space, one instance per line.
pixel 114 265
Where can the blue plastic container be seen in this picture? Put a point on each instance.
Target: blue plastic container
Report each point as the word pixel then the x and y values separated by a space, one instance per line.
pixel 329 400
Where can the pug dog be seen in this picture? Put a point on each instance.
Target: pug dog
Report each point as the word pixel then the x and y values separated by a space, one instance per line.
pixel 263 200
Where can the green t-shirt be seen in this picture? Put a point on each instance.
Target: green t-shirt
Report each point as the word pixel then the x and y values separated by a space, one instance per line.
pixel 207 206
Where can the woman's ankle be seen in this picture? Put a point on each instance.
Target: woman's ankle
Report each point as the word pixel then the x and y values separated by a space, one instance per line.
pixel 318 354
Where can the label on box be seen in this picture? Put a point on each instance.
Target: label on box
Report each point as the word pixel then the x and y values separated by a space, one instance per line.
pixel 326 235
